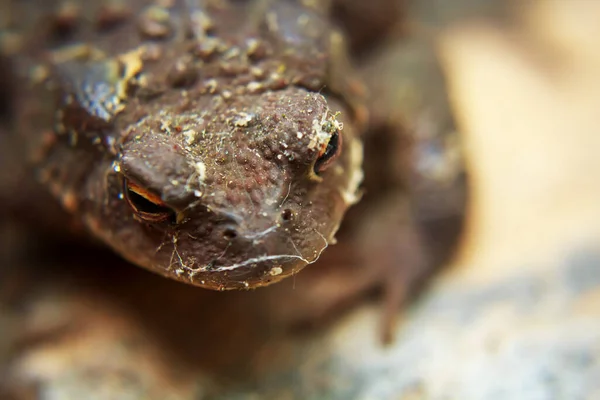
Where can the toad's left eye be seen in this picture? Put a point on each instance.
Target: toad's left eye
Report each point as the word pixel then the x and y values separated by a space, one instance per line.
pixel 146 205
pixel 333 149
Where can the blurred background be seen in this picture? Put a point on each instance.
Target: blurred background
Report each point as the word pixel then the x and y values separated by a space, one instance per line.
pixel 515 316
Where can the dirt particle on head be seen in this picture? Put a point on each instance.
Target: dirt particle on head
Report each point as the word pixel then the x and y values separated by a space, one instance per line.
pixel 155 23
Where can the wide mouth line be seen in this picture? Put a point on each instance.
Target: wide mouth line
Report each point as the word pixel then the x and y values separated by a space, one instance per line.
pixel 256 235
pixel 266 257
pixel 256 260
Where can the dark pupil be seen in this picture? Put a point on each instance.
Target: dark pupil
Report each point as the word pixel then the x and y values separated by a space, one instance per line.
pixel 144 205
pixel 330 151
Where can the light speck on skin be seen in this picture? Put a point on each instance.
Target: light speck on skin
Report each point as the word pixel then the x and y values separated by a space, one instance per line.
pixel 254 87
pixel 164 126
pixel 251 45
pixel 211 85
pixel 257 72
pixel 200 168
pixel 190 136
pixel 232 53
pixel 243 119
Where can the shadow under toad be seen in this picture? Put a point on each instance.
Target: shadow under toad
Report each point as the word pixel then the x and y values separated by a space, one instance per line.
pixel 229 337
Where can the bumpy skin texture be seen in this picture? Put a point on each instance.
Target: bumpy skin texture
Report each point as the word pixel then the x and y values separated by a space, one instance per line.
pixel 210 111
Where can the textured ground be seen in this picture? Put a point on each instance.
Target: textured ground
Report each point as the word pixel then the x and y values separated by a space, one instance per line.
pixel 516 317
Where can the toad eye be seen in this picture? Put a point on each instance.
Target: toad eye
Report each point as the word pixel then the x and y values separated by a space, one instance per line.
pixel 333 149
pixel 146 205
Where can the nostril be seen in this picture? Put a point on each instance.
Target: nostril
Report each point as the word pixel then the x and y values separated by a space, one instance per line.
pixel 287 214
pixel 230 233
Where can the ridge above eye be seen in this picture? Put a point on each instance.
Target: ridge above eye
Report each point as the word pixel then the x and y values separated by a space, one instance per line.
pixel 146 205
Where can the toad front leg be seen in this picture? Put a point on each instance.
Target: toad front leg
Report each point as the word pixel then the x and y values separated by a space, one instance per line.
pixel 415 180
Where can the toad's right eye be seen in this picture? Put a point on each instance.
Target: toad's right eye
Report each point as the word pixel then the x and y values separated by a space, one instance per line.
pixel 329 153
pixel 146 205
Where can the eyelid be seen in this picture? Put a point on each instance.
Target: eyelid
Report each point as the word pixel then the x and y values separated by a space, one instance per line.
pixel 137 189
pixel 147 206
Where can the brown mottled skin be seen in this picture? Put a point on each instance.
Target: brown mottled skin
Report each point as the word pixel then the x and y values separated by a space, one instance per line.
pixel 224 114
pixel 216 110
